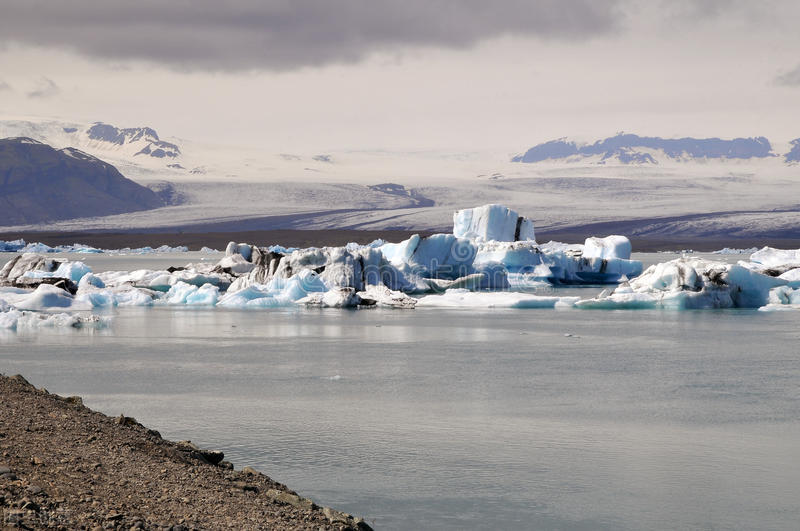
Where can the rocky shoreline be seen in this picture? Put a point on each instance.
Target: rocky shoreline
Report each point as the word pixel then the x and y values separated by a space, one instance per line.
pixel 64 466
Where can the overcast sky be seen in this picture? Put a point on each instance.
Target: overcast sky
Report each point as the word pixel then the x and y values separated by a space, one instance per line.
pixel 399 75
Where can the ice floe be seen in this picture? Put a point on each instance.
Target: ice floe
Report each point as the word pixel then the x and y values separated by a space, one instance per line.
pixel 690 283
pixel 461 298
pixel 19 246
pixel 490 260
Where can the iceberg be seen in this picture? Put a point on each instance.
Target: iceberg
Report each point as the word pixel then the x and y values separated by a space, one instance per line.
pixel 384 297
pixel 191 295
pixel 333 298
pixel 613 246
pixel 770 257
pixel 12 246
pixel 16 320
pixel 492 222
pixel 461 298
pixel 690 283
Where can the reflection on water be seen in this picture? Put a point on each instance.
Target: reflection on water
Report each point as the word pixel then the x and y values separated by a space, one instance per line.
pixel 459 419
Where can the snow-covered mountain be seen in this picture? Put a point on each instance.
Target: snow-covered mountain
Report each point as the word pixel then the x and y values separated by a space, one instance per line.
pixel 793 157
pixel 140 140
pixel 634 149
pixel 699 187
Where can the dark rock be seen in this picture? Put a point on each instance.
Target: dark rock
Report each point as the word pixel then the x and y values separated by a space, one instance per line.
pixel 244 486
pixel 31 506
pixel 34 489
pixel 122 420
pixel 21 379
pixel 291 499
pixel 212 456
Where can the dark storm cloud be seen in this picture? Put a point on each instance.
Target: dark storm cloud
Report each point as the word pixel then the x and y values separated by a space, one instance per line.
pixel 287 34
pixel 45 88
pixel 790 78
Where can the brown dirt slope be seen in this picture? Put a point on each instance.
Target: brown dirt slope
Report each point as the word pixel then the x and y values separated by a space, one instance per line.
pixel 64 466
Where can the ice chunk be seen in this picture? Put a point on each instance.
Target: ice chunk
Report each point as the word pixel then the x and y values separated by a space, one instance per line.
pixel 90 280
pixel 235 264
pixel 278 291
pixel 14 319
pixel 337 266
pixel 613 246
pixel 11 246
pixel 18 266
pixel 43 298
pixel 383 296
pixel 492 222
pixel 688 283
pixel 38 248
pixel 251 297
pixel 398 254
pixel 730 250
pixel 516 257
pixel 190 295
pixel 242 249
pixel 72 270
pixel 334 298
pixel 442 256
pixel 494 299
pixel 772 258
pixel 792 276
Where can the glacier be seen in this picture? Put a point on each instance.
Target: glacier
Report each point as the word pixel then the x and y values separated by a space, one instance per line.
pixel 490 260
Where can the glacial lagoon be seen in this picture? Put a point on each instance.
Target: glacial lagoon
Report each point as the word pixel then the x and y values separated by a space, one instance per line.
pixel 452 418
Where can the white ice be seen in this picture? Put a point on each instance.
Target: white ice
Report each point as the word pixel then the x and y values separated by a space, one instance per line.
pixel 492 222
pixel 461 298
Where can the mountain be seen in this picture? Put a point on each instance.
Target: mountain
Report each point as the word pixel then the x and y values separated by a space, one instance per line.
pixel 635 149
pixel 144 138
pixel 39 183
pixel 793 157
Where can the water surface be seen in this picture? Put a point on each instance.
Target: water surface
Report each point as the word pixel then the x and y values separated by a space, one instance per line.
pixel 454 419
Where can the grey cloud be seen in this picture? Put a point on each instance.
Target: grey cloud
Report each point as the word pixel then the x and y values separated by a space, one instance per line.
pixel 790 78
pixel 45 88
pixel 288 34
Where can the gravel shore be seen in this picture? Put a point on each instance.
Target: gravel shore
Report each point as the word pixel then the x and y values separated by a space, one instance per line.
pixel 64 466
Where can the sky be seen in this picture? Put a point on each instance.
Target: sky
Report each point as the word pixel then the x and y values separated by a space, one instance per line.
pixel 406 75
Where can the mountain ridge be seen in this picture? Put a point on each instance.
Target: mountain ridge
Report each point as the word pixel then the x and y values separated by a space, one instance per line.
pixel 627 148
pixel 39 183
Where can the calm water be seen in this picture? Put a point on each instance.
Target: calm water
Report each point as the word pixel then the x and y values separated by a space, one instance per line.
pixel 459 419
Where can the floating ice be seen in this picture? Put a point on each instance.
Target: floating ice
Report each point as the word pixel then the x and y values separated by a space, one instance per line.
pixel 613 246
pixel 385 297
pixel 492 222
pixel 460 298
pixel 12 246
pixel 190 295
pixel 333 298
pixel 690 283
pixel 17 320
pixel 729 250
